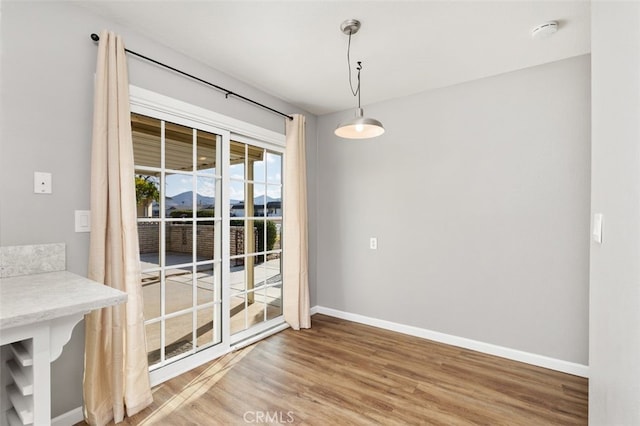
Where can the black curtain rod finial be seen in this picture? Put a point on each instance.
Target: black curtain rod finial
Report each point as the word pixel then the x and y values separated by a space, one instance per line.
pixel 95 37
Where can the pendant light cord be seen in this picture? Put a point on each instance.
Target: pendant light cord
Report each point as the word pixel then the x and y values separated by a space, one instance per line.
pixel 360 126
pixel 359 67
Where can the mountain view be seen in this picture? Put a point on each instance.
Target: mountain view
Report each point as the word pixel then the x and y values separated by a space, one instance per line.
pixel 184 200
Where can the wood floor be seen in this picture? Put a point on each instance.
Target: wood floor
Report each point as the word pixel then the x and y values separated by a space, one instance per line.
pixel 343 373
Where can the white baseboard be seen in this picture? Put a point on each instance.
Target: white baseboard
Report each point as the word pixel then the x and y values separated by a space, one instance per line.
pixel 487 348
pixel 69 418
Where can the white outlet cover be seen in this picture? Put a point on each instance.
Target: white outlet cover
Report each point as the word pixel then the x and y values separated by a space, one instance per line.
pixel 42 183
pixel 373 243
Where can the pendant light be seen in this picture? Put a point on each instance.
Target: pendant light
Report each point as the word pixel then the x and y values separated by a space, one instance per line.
pixel 359 127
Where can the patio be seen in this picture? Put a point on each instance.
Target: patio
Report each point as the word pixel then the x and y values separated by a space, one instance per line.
pixel 247 307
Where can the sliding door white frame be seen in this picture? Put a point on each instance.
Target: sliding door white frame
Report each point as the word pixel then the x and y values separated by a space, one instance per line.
pixel 165 108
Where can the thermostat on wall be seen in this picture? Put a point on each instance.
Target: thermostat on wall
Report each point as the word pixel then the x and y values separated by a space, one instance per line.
pixel 597 228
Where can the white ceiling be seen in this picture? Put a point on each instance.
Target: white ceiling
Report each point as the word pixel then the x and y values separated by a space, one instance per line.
pixel 296 51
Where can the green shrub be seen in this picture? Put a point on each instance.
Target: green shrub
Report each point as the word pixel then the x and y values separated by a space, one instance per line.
pixel 189 213
pixel 271 235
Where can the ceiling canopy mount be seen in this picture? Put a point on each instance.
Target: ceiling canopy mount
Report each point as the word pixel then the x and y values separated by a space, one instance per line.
pixel 350 26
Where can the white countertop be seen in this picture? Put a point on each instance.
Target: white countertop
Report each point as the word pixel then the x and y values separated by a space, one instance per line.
pixel 33 298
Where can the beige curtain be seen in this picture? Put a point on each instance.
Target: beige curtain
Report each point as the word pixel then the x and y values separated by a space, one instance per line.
pixel 116 375
pixel 295 251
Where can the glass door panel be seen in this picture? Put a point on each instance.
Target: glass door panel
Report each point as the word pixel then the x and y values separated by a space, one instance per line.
pixel 255 225
pixel 180 211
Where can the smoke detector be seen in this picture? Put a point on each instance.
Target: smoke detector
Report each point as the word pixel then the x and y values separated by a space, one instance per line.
pixel 544 30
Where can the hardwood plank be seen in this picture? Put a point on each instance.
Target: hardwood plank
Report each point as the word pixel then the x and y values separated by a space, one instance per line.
pixel 340 372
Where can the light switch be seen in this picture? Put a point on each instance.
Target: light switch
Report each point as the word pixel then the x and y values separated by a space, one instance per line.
pixel 597 228
pixel 42 183
pixel 83 221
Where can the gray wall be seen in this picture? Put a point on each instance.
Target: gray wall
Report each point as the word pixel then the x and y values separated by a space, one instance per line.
pixel 484 186
pixel 479 196
pixel 614 384
pixel 48 64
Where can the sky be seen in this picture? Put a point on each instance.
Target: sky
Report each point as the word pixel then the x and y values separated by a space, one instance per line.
pixel 267 180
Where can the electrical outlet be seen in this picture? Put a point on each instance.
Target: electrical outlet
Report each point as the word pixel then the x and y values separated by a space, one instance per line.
pixel 42 183
pixel 373 243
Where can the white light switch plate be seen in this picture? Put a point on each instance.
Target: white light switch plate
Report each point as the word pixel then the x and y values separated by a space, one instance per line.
pixel 83 221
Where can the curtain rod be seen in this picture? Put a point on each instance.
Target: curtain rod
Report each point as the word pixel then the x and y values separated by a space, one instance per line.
pixel 227 92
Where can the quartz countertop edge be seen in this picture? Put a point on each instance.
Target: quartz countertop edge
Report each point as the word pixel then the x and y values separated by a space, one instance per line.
pixel 28 299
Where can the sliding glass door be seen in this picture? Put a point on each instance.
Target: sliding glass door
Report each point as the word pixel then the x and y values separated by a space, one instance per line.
pixel 210 227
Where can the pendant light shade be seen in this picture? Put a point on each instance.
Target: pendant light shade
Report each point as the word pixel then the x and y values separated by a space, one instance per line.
pixel 360 127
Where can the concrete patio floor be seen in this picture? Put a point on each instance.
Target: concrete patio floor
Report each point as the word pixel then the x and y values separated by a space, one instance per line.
pixel 179 296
